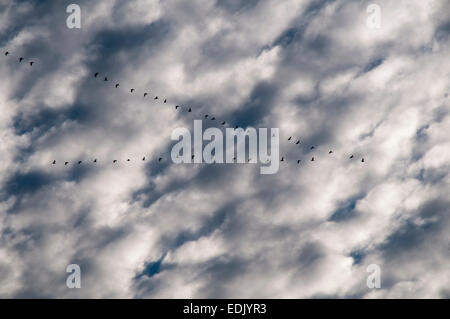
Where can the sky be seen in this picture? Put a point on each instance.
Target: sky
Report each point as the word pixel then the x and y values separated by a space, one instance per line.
pixel 315 69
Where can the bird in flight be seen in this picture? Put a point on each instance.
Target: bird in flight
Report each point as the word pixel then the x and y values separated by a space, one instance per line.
pixel 143 158
pixel 176 107
pixel 159 159
pixel 95 160
pixel 65 163
pixel 165 100
pixel 362 160
pixel 145 94
pixel 330 152
pixel 213 118
pixel 223 123
pixel 351 157
pixel 79 162
pixel 132 90
pixel 31 63
pixel 282 159
pixel 106 79
pixel 190 110
pixel 236 127
pixel 114 161
pixel 6 53
pixel 95 74
pixel 290 138
pixel 192 156
pixel 298 142
pixel 128 160
pixel 54 162
pixel 117 85
pixel 298 161
pixel 20 59
pixel 312 159
pixel 312 147
pixel 206 116
pixel 155 98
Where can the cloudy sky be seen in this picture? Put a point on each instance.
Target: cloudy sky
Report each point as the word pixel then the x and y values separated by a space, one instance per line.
pixel 313 68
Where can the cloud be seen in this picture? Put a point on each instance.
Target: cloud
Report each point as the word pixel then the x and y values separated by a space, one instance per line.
pixel 146 229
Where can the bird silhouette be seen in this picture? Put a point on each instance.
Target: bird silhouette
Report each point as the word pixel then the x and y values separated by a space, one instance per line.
pixel 79 162
pixel 6 53
pixel 362 160
pixel 192 157
pixel 176 107
pixel 206 116
pixel 351 157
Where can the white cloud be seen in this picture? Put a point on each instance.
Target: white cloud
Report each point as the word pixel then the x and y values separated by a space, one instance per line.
pixel 150 229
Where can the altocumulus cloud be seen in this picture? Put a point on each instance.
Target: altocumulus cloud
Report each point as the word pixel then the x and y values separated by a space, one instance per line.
pixel 145 229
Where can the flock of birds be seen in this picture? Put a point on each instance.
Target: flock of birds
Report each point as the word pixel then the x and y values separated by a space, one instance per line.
pixel 224 124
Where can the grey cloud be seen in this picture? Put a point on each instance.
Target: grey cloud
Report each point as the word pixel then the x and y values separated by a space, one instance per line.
pixel 149 229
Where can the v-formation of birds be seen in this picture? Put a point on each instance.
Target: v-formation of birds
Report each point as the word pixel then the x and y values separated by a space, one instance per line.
pixel 189 110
